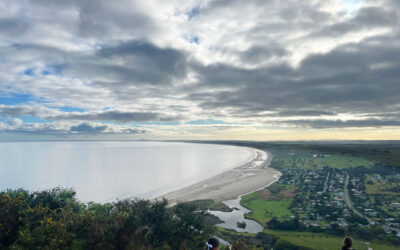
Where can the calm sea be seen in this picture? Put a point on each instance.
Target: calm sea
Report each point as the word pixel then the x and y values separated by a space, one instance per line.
pixel 105 170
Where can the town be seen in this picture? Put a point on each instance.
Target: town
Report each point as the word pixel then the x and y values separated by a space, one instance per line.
pixel 360 200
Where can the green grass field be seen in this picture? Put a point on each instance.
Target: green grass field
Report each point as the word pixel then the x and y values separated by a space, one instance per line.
pixel 264 210
pixel 331 243
pixel 376 187
pixel 317 241
pixel 380 189
pixel 386 153
pixel 342 161
pixel 323 241
pixel 334 161
pixel 268 204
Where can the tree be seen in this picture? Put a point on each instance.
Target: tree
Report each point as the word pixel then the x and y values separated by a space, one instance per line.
pixel 54 219
pixel 286 245
pixel 12 206
pixel 239 245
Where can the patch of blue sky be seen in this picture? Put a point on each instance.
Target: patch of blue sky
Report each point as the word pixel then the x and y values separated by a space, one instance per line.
pixel 71 109
pixel 29 72
pixel 194 39
pixel 193 13
pixel 14 98
pixel 32 119
pixel 52 69
pixel 352 5
pixel 205 121
pixel 41 100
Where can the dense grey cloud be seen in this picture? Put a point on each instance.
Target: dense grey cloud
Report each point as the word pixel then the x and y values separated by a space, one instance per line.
pixel 359 78
pixel 34 131
pixel 13 26
pixel 14 122
pixel 117 116
pixel 366 18
pixel 320 64
pixel 258 53
pixel 131 63
pixel 300 112
pixel 343 124
pixel 16 126
pixel 24 110
pixel 87 128
pixel 107 115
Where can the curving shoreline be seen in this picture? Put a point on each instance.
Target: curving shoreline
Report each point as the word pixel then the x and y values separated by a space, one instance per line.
pixel 231 184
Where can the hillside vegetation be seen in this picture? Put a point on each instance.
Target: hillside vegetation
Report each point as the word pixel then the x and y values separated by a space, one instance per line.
pixel 54 219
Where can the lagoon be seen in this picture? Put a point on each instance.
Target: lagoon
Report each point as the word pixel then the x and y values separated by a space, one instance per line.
pixel 103 171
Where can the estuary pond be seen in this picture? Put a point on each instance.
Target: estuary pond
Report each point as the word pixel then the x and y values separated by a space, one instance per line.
pixel 231 219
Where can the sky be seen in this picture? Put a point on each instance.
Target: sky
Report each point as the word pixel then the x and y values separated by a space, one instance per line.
pixel 200 70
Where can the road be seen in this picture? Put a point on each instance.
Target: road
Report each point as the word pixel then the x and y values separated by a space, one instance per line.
pixel 326 182
pixel 348 200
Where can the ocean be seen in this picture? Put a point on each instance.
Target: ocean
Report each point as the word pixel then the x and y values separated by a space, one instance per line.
pixel 103 171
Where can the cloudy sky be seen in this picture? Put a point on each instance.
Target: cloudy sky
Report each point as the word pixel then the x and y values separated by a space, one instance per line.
pixel 200 69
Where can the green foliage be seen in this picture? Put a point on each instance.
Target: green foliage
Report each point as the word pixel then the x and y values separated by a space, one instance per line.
pixel 54 219
pixel 274 223
pixel 12 205
pixel 286 245
pixel 210 204
pixel 239 245
pixel 276 188
pixel 241 224
pixel 256 241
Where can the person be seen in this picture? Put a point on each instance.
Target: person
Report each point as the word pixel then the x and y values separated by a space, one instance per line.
pixel 212 244
pixel 348 242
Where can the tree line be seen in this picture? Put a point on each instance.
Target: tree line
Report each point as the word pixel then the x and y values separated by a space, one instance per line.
pixel 55 219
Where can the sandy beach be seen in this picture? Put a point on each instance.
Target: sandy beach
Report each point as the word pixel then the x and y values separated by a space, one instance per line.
pixel 228 185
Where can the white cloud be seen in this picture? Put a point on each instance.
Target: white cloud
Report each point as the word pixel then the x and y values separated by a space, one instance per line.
pixel 238 61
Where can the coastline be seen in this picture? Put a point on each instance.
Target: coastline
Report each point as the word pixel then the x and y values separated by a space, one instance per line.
pixel 231 184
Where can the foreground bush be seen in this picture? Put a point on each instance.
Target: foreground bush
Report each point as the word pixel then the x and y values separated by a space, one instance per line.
pixel 54 219
pixel 285 245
